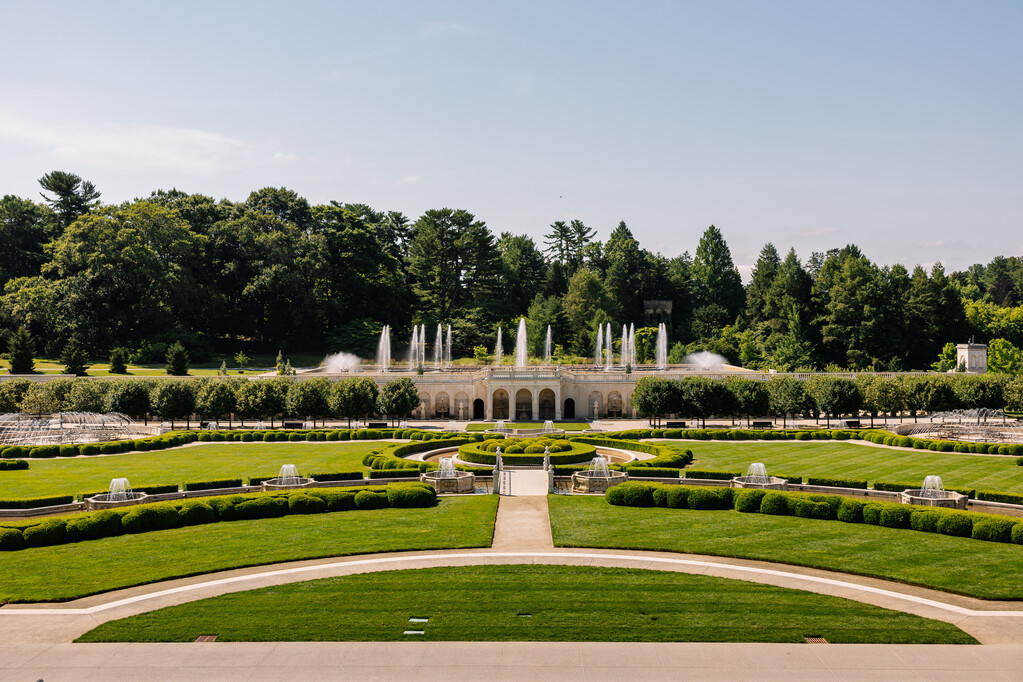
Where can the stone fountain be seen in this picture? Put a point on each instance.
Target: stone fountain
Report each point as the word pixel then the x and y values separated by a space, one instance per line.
pixel 933 494
pixel 597 478
pixel 447 479
pixel 287 477
pixel 118 494
pixel 756 477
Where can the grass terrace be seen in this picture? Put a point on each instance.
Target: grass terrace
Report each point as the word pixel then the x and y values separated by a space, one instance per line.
pixel 200 461
pixel 528 603
pixel 855 461
pixel 75 570
pixel 988 570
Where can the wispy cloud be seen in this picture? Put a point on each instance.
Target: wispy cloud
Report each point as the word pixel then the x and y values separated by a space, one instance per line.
pixel 433 30
pixel 408 180
pixel 139 145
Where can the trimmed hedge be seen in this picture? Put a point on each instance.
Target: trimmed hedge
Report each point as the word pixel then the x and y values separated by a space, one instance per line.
pixel 212 485
pixel 29 503
pixel 836 482
pixel 714 475
pixel 650 472
pixel 13 464
pixel 394 473
pixel 996 496
pixel 338 476
pixel 475 453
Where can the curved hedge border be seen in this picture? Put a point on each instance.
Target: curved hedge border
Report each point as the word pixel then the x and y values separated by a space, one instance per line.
pixel 393 456
pixel 580 452
pixel 663 457
pixel 165 515
pixel 976 525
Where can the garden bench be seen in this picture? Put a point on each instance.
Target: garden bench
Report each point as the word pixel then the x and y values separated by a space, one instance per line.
pixel 761 425
pixel 675 425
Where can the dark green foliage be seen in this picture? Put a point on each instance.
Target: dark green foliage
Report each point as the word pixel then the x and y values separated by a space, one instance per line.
pixel 195 512
pixel 851 511
pixel 13 464
pixel 301 503
pixel 68 451
pixel 177 360
pixel 21 352
pixel 211 485
pixel 119 361
pixel 44 451
pixel 709 498
pixel 995 496
pixel 74 358
pixel 367 499
pixel 407 495
pixel 872 513
pixel 775 503
pixel 337 500
pixel 49 532
pixel 337 476
pixel 651 472
pixel 631 494
pixel 11 539
pixel 895 516
pixel 715 475
pixel 749 500
pixel 15 451
pixel 407 472
pixel 993 530
pixel 836 482
pixel 959 524
pixel 924 521
pixel 263 507
pixel 32 503
pixel 1016 536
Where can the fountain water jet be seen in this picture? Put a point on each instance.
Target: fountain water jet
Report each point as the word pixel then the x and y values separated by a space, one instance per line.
pixel 933 494
pixel 597 478
pixel 662 346
pixel 498 349
pixel 287 477
pixel 547 346
pixel 756 477
pixel 521 350
pixel 384 349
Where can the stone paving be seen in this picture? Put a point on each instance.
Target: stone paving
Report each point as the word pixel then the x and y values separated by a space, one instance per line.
pixel 35 639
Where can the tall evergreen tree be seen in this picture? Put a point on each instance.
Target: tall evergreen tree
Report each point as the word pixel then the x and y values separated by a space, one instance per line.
pixel 624 276
pixel 72 196
pixel 21 352
pixel 764 274
pixel 716 278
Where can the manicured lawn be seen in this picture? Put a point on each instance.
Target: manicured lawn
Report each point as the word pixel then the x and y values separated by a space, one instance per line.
pixel 989 570
pixel 862 462
pixel 198 462
pixel 563 603
pixel 75 570
pixel 566 426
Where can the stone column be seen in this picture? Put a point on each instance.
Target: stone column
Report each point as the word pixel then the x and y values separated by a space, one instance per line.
pixel 536 403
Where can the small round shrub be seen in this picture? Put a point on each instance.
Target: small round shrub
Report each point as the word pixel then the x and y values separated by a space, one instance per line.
pixel 705 498
pixel 775 503
pixel 15 451
pixel 306 504
pixel 631 494
pixel 367 499
pixel 748 501
pixel 295 437
pixel 44 451
pixel 809 509
pixel 49 532
pixel 218 435
pixel 13 464
pixel 205 436
pixel 851 511
pixel 195 513
pixel 68 451
pixel 925 521
pixel 224 507
pixel 661 496
pixel 802 435
pixel 11 539
pixel 993 530
pixel 1016 535
pixel 246 437
pixel 895 516
pixel 411 496
pixel 872 514
pixel 264 507
pixel 959 524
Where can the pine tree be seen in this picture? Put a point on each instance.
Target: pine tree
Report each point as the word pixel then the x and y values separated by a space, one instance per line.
pixel 118 361
pixel 21 351
pixel 177 360
pixel 74 358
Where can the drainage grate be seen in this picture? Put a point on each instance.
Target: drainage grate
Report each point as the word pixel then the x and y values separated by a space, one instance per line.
pixel 206 638
pixel 414 632
pixel 816 639
pixel 525 615
pixel 419 620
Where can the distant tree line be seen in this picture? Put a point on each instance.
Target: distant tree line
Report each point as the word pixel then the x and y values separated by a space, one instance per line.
pixel 84 278
pixel 209 399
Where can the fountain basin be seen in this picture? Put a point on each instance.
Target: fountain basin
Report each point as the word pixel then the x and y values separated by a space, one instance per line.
pixel 770 483
pixel 460 482
pixel 927 498
pixel 597 482
pixel 286 483
pixel 107 501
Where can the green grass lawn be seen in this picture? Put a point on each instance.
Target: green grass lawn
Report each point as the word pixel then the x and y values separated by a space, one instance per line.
pixel 563 603
pixel 566 426
pixel 846 460
pixel 988 570
pixel 198 462
pixel 75 570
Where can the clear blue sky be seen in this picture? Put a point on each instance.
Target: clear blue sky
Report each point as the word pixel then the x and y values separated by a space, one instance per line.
pixel 893 125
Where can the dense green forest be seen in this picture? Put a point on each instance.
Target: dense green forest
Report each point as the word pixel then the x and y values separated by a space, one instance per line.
pixel 274 272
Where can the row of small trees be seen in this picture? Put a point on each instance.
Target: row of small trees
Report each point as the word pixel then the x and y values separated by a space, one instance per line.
pixel 826 395
pixel 214 399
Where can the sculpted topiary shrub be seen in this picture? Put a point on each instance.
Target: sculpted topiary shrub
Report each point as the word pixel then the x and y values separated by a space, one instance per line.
pixel 748 501
pixel 851 511
pixel 959 524
pixel 775 503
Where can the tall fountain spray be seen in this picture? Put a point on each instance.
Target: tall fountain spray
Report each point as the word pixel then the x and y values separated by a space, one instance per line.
pixel 632 345
pixel 662 346
pixel 609 349
pixel 413 350
pixel 547 346
pixel 498 349
pixel 521 351
pixel 598 356
pixel 384 349
pixel 447 359
pixel 438 348
pixel 624 361
pixel 422 345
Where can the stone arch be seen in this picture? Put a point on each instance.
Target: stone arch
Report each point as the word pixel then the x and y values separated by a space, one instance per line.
pixel 499 404
pixel 595 405
pixel 547 402
pixel 460 409
pixel 569 411
pixel 615 406
pixel 523 405
pixel 442 405
pixel 479 409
